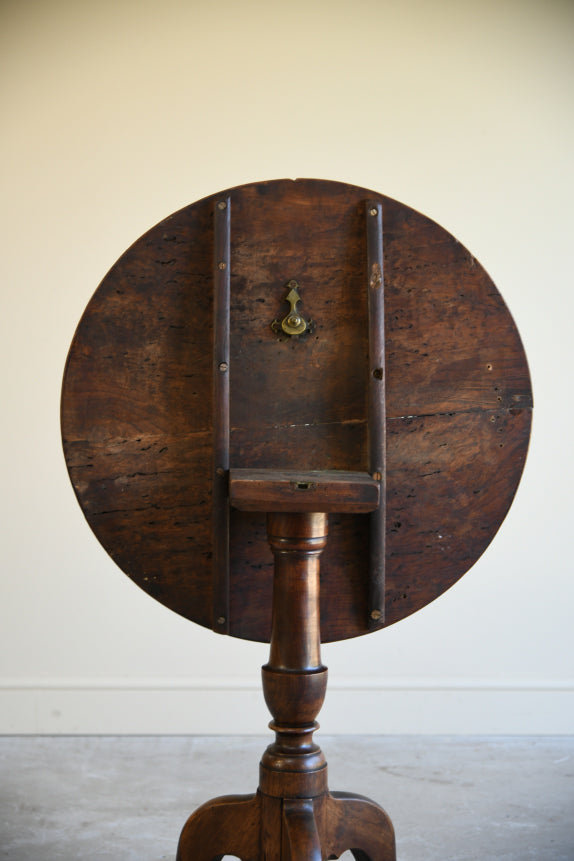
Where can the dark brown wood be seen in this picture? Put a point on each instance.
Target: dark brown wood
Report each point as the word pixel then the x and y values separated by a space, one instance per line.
pixel 301 838
pixel 358 824
pixel 293 816
pixel 221 373
pixel 138 416
pixel 376 410
pixel 230 825
pixel 262 828
pixel 403 411
pixel 313 491
pixel 294 679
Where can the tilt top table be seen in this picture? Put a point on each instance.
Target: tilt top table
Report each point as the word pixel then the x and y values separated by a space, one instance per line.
pixel 266 360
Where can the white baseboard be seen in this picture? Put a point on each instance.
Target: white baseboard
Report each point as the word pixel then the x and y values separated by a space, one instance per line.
pixel 230 706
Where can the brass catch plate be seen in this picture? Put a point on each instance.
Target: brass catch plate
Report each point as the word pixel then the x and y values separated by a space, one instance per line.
pixel 293 323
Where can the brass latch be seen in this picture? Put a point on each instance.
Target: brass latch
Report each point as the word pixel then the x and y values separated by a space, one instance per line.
pixel 293 323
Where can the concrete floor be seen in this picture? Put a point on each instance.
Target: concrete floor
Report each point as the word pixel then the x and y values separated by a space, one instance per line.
pixel 126 798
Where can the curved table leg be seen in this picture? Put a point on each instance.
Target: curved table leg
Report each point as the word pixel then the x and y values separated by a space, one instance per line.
pixel 359 824
pixel 300 831
pixel 229 825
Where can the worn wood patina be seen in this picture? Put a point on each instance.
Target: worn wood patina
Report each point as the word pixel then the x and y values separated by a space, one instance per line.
pixel 138 419
pixel 271 364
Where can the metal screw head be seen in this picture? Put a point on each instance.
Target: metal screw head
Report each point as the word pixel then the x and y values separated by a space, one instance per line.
pixel 221 620
pixel 222 265
pixel 374 210
pixel 292 283
pixel 376 615
pixel 222 204
pixel 293 320
pixel 223 366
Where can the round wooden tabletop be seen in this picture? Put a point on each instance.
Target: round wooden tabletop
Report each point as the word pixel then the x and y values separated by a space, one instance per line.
pixel 138 404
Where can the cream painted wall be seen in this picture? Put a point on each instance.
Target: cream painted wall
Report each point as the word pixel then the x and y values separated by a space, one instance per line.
pixel 116 114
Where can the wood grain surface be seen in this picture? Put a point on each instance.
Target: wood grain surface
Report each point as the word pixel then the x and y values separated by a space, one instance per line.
pixel 138 418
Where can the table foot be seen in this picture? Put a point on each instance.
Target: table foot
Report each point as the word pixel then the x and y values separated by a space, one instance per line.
pixel 229 825
pixel 261 828
pixel 300 833
pixel 355 823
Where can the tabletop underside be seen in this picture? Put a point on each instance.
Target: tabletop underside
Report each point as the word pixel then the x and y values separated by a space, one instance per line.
pixel 138 400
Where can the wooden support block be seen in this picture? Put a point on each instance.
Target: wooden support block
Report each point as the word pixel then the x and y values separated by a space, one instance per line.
pixel 303 491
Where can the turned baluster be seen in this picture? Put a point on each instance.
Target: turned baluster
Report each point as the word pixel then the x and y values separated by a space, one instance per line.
pixel 294 680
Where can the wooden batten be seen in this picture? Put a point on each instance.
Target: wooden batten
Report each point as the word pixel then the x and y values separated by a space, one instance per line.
pixel 376 409
pixel 221 371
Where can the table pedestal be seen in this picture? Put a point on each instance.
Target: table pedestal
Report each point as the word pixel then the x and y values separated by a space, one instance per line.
pixel 293 816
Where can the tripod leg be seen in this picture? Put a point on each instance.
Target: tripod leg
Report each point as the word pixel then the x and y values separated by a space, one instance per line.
pixel 229 825
pixel 359 824
pixel 300 831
